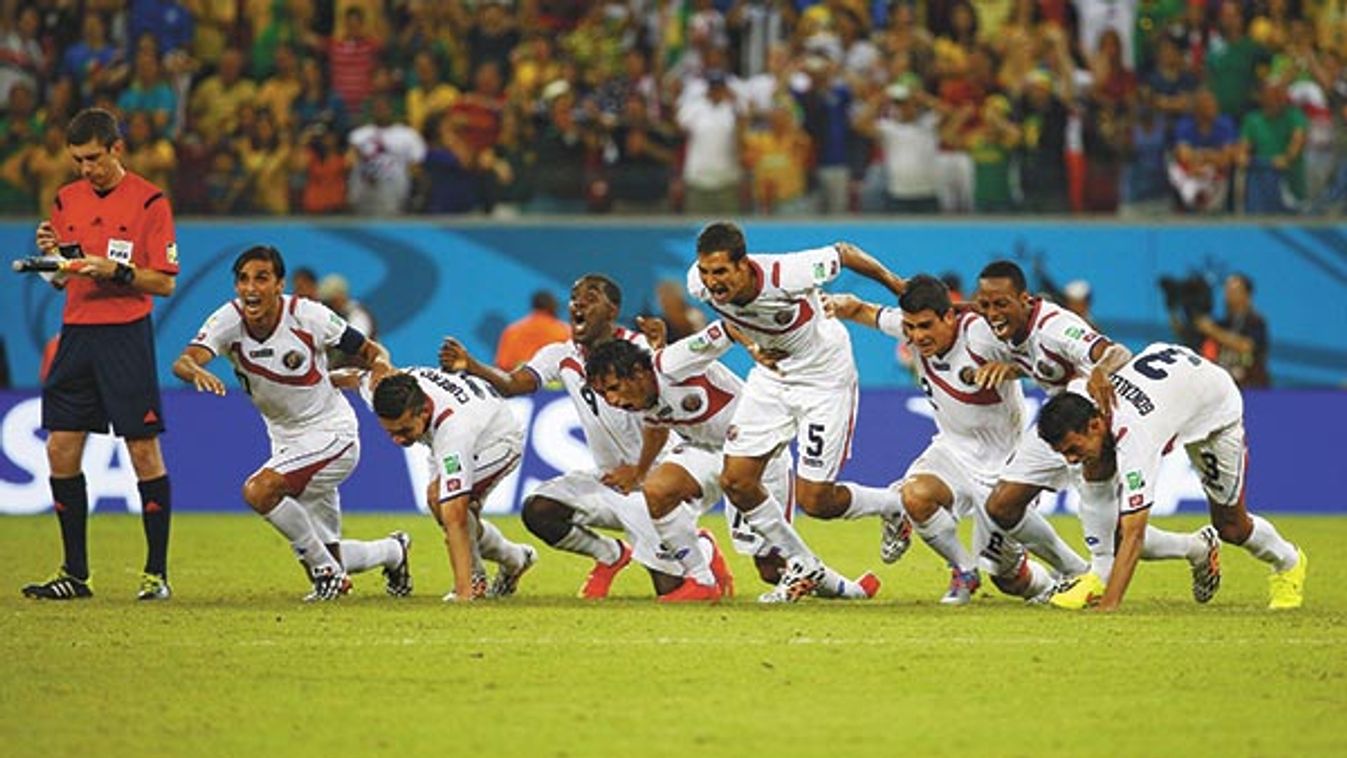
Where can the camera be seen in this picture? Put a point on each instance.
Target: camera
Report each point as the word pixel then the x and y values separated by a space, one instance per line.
pixel 1190 294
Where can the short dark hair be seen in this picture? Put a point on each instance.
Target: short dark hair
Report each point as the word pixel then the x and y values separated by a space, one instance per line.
pixel 543 300
pixel 261 253
pixel 609 287
pixel 925 293
pixel 304 272
pixel 1068 412
pixel 1006 270
pixel 93 124
pixel 722 235
pixel 397 394
pixel 1245 280
pixel 618 357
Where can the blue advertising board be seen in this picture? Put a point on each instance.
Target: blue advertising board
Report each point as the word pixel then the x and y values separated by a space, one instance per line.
pixel 425 279
pixel 214 443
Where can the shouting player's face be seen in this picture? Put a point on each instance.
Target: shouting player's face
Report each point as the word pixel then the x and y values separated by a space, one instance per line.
pixel 259 291
pixel 407 428
pixel 98 163
pixel 1005 309
pixel 727 281
pixel 592 313
pixel 930 334
pixel 634 393
pixel 1086 446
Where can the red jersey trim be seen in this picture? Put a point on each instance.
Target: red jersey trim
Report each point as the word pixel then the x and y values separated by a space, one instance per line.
pixel 308 379
pixel 802 317
pixel 716 399
pixel 981 397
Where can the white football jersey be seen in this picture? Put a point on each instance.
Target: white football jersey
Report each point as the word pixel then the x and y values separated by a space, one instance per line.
pixel 697 393
pixel 468 420
pixel 1056 352
pixel 1168 396
pixel 612 434
pixel 787 315
pixel 981 426
pixel 284 373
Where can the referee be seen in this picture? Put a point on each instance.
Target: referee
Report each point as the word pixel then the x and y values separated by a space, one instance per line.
pixel 104 371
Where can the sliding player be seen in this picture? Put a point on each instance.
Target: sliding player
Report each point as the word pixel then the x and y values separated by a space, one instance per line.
pixel 563 512
pixel 1060 351
pixel 804 388
pixel 685 389
pixel 1170 396
pixel 978 427
pixel 276 343
pixel 474 441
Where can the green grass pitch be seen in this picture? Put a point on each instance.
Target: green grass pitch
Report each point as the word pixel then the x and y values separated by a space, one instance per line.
pixel 235 665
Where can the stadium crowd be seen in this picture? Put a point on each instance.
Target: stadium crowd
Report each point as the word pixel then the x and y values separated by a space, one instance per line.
pixel 701 106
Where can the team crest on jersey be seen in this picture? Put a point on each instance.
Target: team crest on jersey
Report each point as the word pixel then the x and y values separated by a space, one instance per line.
pixel 783 318
pixel 171 253
pixel 967 375
pixel 453 485
pixel 1136 501
pixel 293 360
pixel 692 403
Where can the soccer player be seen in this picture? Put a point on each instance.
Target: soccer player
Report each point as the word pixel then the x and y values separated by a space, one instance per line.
pixel 276 343
pixel 121 228
pixel 685 389
pixel 564 511
pixel 474 442
pixel 804 386
pixel 1060 351
pixel 1170 396
pixel 978 426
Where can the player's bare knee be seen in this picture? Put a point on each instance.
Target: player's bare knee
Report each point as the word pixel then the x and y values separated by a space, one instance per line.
pixel 263 492
pixel 741 490
pixel 1005 507
pixel 661 499
pixel 919 499
pixel 821 500
pixel 546 519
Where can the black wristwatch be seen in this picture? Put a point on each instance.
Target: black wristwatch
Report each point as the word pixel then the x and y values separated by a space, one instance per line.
pixel 124 274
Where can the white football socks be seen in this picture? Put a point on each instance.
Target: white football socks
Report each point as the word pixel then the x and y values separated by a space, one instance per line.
pixel 768 521
pixel 583 541
pixel 872 501
pixel 1038 536
pixel 1161 545
pixel 493 546
pixel 290 519
pixel 677 532
pixel 361 555
pixel 836 586
pixel 1099 522
pixel 941 532
pixel 1268 546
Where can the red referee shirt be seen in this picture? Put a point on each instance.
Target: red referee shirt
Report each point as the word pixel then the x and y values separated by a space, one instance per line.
pixel 131 224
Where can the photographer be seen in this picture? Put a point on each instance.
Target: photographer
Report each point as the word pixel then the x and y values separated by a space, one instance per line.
pixel 1187 300
pixel 1238 342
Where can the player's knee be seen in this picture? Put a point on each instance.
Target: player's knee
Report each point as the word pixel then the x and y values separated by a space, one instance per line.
pixel 738 487
pixel 1005 509
pixel 820 500
pixel 920 500
pixel 546 519
pixel 661 498
pixel 263 493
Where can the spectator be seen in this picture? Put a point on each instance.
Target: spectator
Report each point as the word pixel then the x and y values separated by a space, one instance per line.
pixel 304 283
pixel 428 94
pixel 149 153
pixel 1043 117
pixel 352 59
pixel 1232 65
pixel 992 144
pixel 20 131
pixel 335 293
pixel 1171 85
pixel 278 92
pixel 90 61
pixel 711 167
pixel 1106 135
pixel 778 159
pixel 384 155
pixel 266 156
pixel 492 37
pixel 562 150
pixel 149 93
pixel 22 58
pixel 215 103
pixel 48 166
pixel 1272 139
pixel 451 168
pixel 639 157
pixel 479 110
pixel 169 23
pixel 1205 151
pixel 680 317
pixel 215 24
pixel 1238 342
pixel 1097 18
pixel 316 105
pixel 522 338
pixel 908 135
pixel 226 183
pixel 826 101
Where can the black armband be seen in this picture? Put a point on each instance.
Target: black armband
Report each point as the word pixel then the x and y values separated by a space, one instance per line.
pixel 124 274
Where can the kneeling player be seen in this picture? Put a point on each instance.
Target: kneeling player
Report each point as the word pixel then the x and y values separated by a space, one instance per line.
pixel 276 343
pixel 978 426
pixel 1168 395
pixel 474 442
pixel 684 388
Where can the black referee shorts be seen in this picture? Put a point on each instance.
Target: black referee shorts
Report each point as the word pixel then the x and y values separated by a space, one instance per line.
pixel 104 373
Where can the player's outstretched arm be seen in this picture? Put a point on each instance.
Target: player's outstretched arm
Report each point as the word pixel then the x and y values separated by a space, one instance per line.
pixel 1131 534
pixel 374 356
pixel 1108 357
pixel 847 306
pixel 191 368
pixel 866 265
pixel 454 357
pixel 454 517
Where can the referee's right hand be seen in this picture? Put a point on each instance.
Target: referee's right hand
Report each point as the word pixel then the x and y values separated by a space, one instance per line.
pixel 46 238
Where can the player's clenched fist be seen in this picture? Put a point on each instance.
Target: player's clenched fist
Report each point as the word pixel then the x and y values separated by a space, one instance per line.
pixel 453 356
